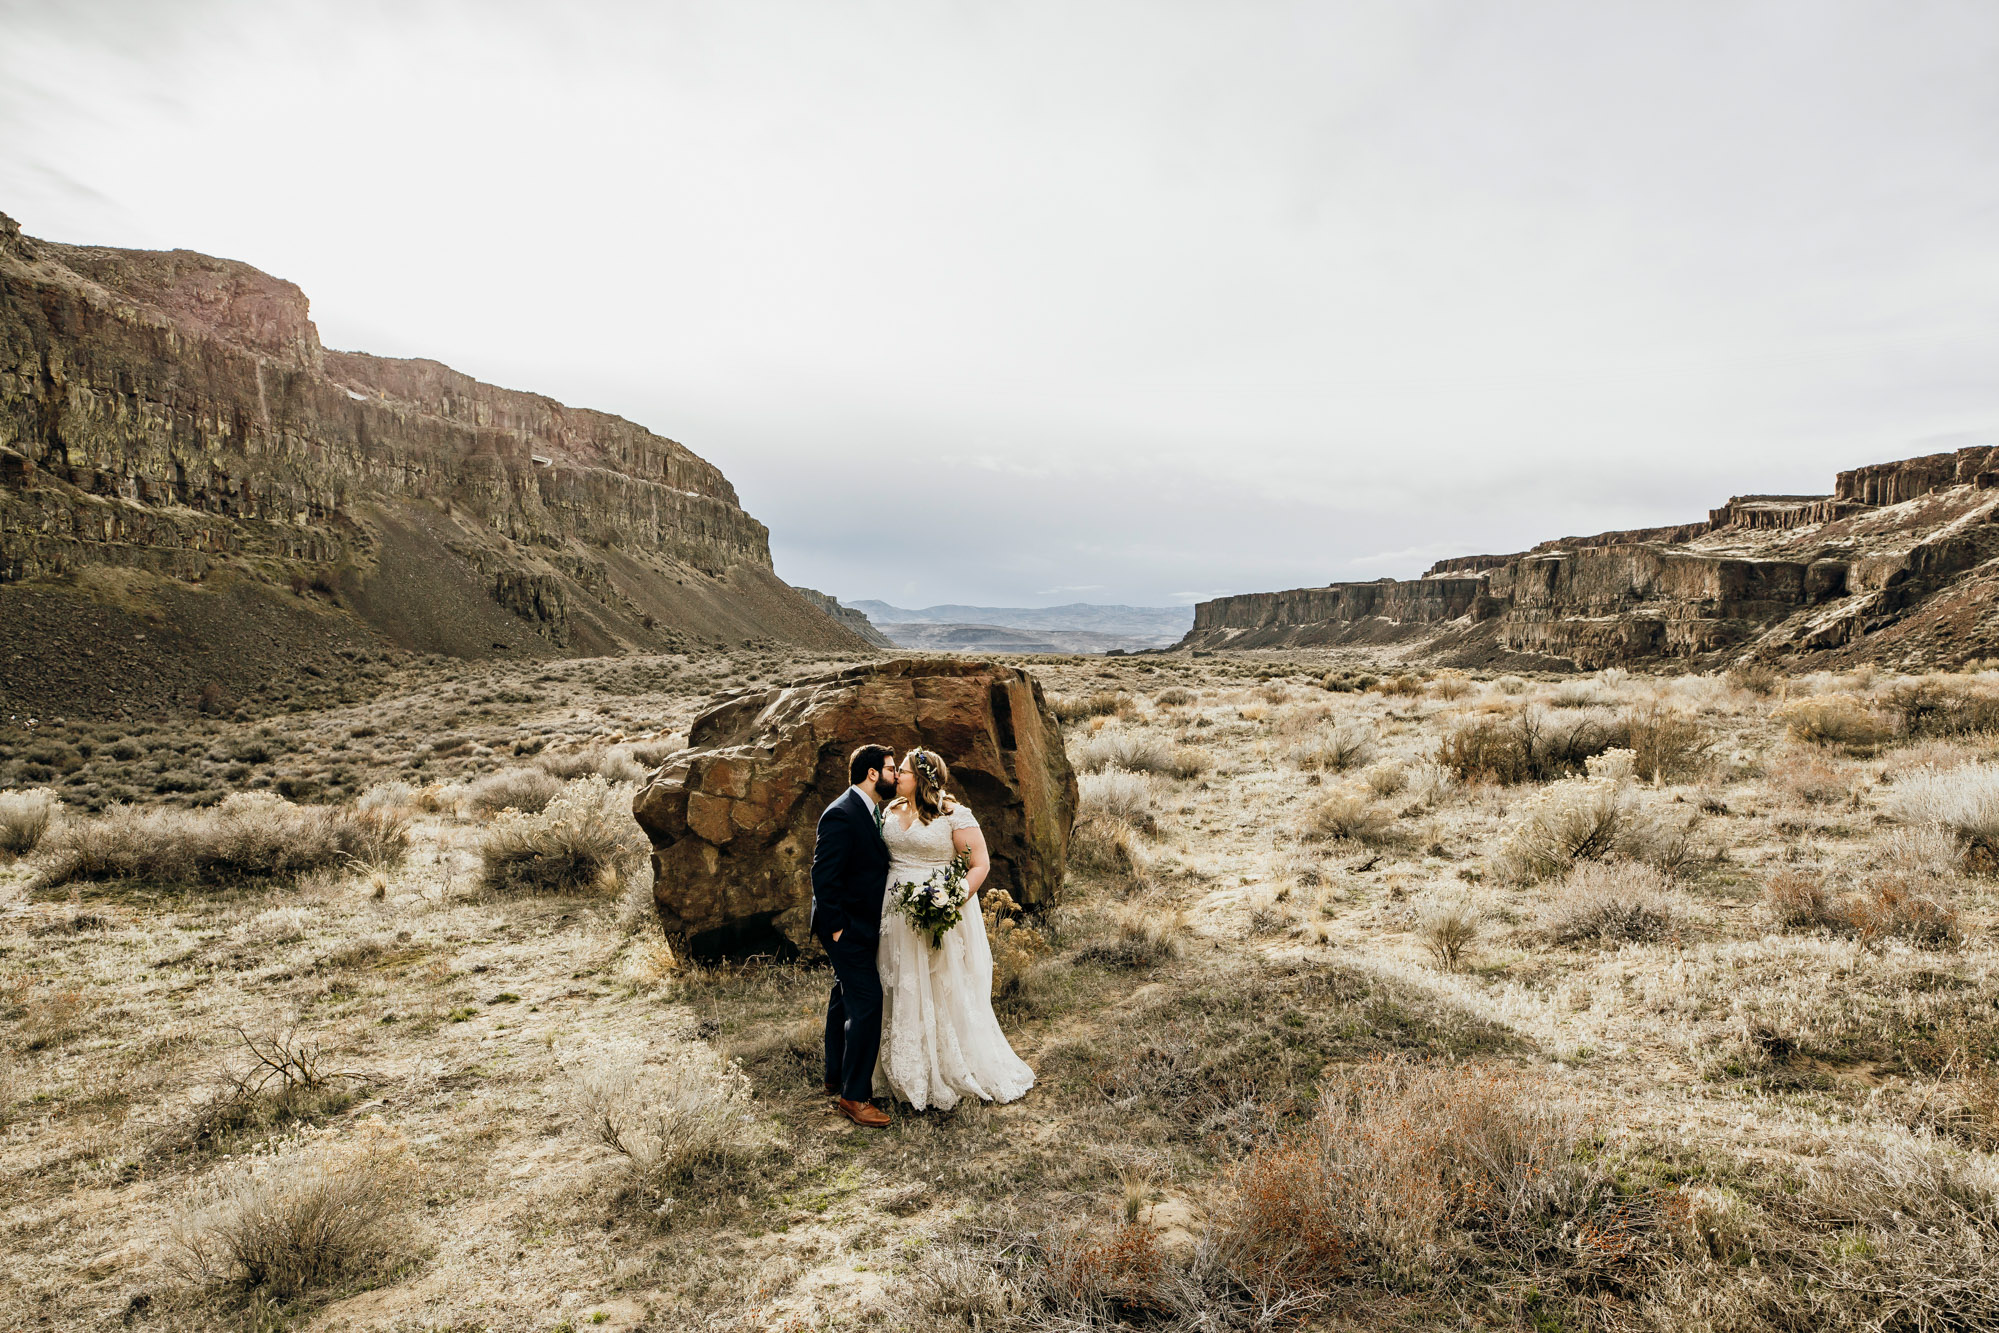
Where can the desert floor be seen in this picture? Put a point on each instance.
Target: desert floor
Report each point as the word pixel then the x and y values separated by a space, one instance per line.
pixel 1734 1071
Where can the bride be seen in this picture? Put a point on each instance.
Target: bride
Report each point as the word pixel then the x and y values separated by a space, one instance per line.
pixel 940 1040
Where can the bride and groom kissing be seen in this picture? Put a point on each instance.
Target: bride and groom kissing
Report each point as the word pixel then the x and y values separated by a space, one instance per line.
pixel 896 872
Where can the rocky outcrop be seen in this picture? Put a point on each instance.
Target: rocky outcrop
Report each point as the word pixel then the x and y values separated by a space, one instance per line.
pixel 174 414
pixel 857 621
pixel 732 818
pixel 1864 569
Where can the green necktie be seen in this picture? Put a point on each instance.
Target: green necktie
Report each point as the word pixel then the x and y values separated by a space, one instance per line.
pixel 880 811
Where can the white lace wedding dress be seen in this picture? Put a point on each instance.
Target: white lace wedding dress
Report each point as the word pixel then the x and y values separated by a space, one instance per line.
pixel 940 1039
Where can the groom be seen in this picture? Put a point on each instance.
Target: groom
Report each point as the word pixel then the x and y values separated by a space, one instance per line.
pixel 849 874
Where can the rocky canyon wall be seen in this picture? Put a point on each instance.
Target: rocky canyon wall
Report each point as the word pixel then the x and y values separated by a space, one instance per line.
pixel 174 415
pixel 1899 562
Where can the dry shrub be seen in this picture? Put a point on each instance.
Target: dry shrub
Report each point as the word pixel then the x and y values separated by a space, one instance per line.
pixel 1810 777
pixel 1611 903
pixel 301 1212
pixel 391 796
pixel 1945 706
pixel 1451 685
pixel 1898 1234
pixel 1116 747
pixel 25 817
pixel 1449 927
pixel 1582 694
pixel 1102 703
pixel 583 841
pixel 1348 812
pixel 1116 793
pixel 1963 801
pixel 1386 779
pixel 675 1121
pixel 1175 696
pixel 1668 746
pixel 1836 719
pixel 1139 936
pixel 1348 746
pixel 1909 906
pixel 1410 1172
pixel 1404 685
pixel 1116 1275
pixel 610 763
pixel 528 790
pixel 1531 745
pixel 1759 678
pixel 1798 900
pixel 1016 945
pixel 1298 720
pixel 1108 848
pixel 250 835
pixel 1595 818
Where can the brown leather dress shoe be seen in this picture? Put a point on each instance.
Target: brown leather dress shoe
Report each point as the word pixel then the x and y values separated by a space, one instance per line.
pixel 832 1090
pixel 863 1114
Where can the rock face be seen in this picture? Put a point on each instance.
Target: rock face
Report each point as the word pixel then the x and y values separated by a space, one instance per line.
pixel 732 818
pixel 174 415
pixel 857 621
pixel 1899 563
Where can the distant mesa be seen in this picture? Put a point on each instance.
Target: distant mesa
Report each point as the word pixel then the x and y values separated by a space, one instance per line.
pixel 1899 564
pixel 1079 627
pixel 179 454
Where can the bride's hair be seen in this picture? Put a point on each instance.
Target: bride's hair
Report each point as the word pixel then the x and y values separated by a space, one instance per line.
pixel 927 766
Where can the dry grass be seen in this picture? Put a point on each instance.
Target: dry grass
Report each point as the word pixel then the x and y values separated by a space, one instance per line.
pixel 1945 706
pixel 1349 812
pixel 1410 1172
pixel 249 836
pixel 528 790
pixel 1108 849
pixel 1812 777
pixel 676 1121
pixel 583 841
pixel 1336 749
pixel 303 1212
pixel 1116 794
pixel 1612 904
pixel 1836 719
pixel 1097 703
pixel 1530 745
pixel 1963 801
pixel 1668 745
pixel 1592 819
pixel 1449 927
pixel 1137 936
pixel 25 817
pixel 1119 747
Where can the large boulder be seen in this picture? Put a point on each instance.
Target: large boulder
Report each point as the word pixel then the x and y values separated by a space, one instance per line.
pixel 732 818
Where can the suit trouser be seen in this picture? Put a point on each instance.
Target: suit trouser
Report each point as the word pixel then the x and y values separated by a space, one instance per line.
pixel 853 1015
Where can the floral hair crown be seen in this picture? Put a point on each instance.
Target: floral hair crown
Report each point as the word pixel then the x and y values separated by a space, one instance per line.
pixel 924 763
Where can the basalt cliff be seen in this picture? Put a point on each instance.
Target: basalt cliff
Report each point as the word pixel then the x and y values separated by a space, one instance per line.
pixel 1898 564
pixel 195 493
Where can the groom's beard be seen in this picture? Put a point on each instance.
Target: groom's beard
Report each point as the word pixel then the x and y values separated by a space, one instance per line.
pixel 885 788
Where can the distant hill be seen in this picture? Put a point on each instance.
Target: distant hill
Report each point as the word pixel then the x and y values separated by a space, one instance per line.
pixel 1164 624
pixel 1012 639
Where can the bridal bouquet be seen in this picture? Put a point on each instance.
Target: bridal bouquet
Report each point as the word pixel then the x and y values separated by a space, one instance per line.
pixel 935 903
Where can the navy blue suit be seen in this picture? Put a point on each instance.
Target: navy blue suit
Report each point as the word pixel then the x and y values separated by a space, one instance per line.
pixel 849 876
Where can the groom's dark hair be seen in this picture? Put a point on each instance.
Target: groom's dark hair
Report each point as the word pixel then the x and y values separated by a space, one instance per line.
pixel 865 758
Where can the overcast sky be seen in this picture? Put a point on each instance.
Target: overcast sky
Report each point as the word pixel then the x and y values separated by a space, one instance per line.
pixel 1025 303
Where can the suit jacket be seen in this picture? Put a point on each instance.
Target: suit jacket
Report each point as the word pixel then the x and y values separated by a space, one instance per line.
pixel 849 870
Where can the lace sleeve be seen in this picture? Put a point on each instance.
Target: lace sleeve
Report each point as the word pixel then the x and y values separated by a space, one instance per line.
pixel 961 817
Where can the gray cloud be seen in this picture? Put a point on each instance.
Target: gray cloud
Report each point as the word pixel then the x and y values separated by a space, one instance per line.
pixel 1156 297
